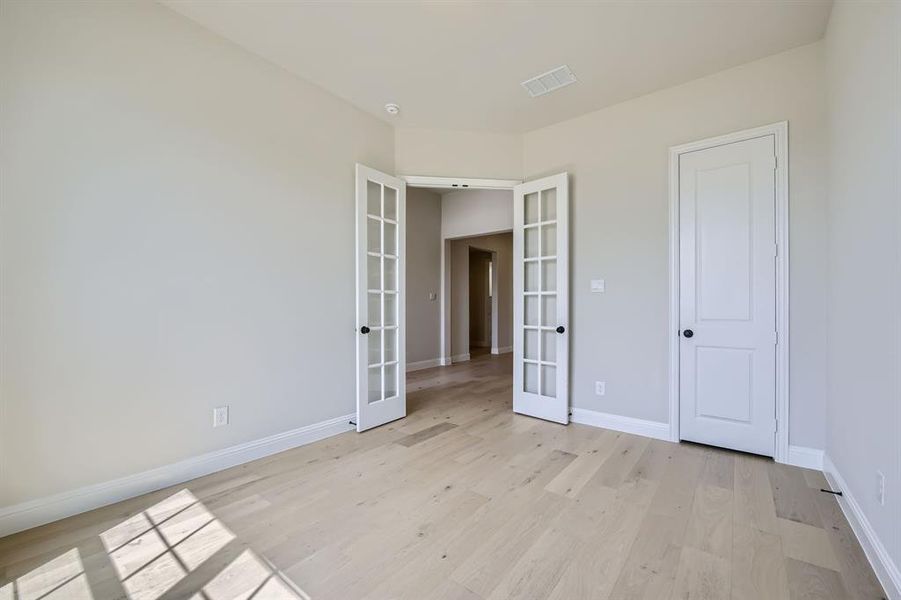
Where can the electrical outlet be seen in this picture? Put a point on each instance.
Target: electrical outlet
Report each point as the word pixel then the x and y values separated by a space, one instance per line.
pixel 220 416
pixel 433 296
pixel 600 388
pixel 880 488
pixel 598 286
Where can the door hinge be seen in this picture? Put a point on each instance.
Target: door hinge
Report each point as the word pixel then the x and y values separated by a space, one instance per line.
pixel 775 249
pixel 775 338
pixel 775 163
pixel 775 425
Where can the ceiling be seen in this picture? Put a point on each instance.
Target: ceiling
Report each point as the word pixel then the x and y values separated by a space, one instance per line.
pixel 458 65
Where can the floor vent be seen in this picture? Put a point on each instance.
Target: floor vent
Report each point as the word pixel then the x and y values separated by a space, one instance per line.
pixel 550 81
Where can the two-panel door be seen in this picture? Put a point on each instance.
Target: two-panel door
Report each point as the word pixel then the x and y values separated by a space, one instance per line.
pixel 727 304
pixel 541 298
pixel 380 328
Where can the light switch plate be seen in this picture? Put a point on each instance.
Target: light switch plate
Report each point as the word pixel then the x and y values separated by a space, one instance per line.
pixel 598 286
pixel 433 296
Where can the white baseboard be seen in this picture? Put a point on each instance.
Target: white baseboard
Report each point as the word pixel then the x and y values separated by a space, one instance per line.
pixel 651 429
pixel 502 350
pixel 460 357
pixel 423 364
pixel 809 458
pixel 26 515
pixel 886 570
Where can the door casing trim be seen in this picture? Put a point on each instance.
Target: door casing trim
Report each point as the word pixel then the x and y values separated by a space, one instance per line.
pixel 780 132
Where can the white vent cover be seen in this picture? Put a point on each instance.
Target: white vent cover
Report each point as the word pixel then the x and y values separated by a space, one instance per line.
pixel 550 81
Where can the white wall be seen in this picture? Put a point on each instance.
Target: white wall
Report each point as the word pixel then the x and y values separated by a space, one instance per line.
pixel 476 212
pixel 618 161
pixel 423 275
pixel 177 233
pixel 863 60
pixel 458 153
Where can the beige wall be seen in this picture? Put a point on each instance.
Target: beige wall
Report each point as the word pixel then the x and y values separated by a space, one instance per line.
pixel 177 233
pixel 503 245
pixel 423 275
pixel 458 153
pixel 618 162
pixel 476 212
pixel 863 411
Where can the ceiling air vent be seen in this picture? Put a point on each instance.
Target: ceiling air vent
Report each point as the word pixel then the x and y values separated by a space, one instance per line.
pixel 550 81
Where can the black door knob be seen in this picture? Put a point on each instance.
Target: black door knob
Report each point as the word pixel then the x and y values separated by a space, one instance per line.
pixel 561 329
pixel 364 330
pixel 688 333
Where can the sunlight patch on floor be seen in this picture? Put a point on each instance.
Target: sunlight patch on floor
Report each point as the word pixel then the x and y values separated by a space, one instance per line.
pixel 156 549
pixel 62 577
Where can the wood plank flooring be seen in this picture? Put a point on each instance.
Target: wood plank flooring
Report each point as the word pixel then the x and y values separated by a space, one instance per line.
pixel 462 500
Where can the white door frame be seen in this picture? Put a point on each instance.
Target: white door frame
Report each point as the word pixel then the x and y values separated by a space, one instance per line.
pixel 780 132
pixel 455 183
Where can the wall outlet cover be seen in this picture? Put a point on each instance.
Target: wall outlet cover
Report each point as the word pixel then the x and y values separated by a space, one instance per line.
pixel 600 388
pixel 220 416
pixel 598 286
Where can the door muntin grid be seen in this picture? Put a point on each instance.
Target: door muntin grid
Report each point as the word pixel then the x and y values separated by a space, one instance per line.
pixel 382 278
pixel 540 315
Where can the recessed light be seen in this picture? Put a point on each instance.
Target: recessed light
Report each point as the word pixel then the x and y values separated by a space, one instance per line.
pixel 391 108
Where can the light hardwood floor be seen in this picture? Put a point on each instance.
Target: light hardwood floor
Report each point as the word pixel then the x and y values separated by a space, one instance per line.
pixel 462 500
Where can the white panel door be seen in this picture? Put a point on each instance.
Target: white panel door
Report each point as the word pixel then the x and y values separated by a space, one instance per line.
pixel 727 256
pixel 541 298
pixel 381 215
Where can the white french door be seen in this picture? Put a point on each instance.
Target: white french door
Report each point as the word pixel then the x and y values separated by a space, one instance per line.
pixel 727 288
pixel 381 212
pixel 541 298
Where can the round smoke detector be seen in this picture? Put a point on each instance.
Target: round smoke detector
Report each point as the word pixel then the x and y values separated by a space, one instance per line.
pixel 391 108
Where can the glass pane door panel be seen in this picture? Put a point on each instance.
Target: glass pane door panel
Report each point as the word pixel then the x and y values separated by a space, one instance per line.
pixel 549 311
pixel 549 345
pixel 373 273
pixel 390 238
pixel 373 235
pixel 531 306
pixel 548 381
pixel 374 199
pixel 375 310
pixel 375 384
pixel 375 346
pixel 531 211
pixel 549 204
pixel 530 279
pixel 548 240
pixel 530 243
pixel 390 345
pixel 390 310
pixel 548 275
pixel 390 274
pixel 390 381
pixel 530 378
pixel 530 344
pixel 390 203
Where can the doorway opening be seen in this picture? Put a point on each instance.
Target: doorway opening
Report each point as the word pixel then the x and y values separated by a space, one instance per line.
pixel 460 248
pixel 398 301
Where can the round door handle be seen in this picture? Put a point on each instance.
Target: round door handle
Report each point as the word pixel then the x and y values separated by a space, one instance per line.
pixel 561 329
pixel 688 333
pixel 364 330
